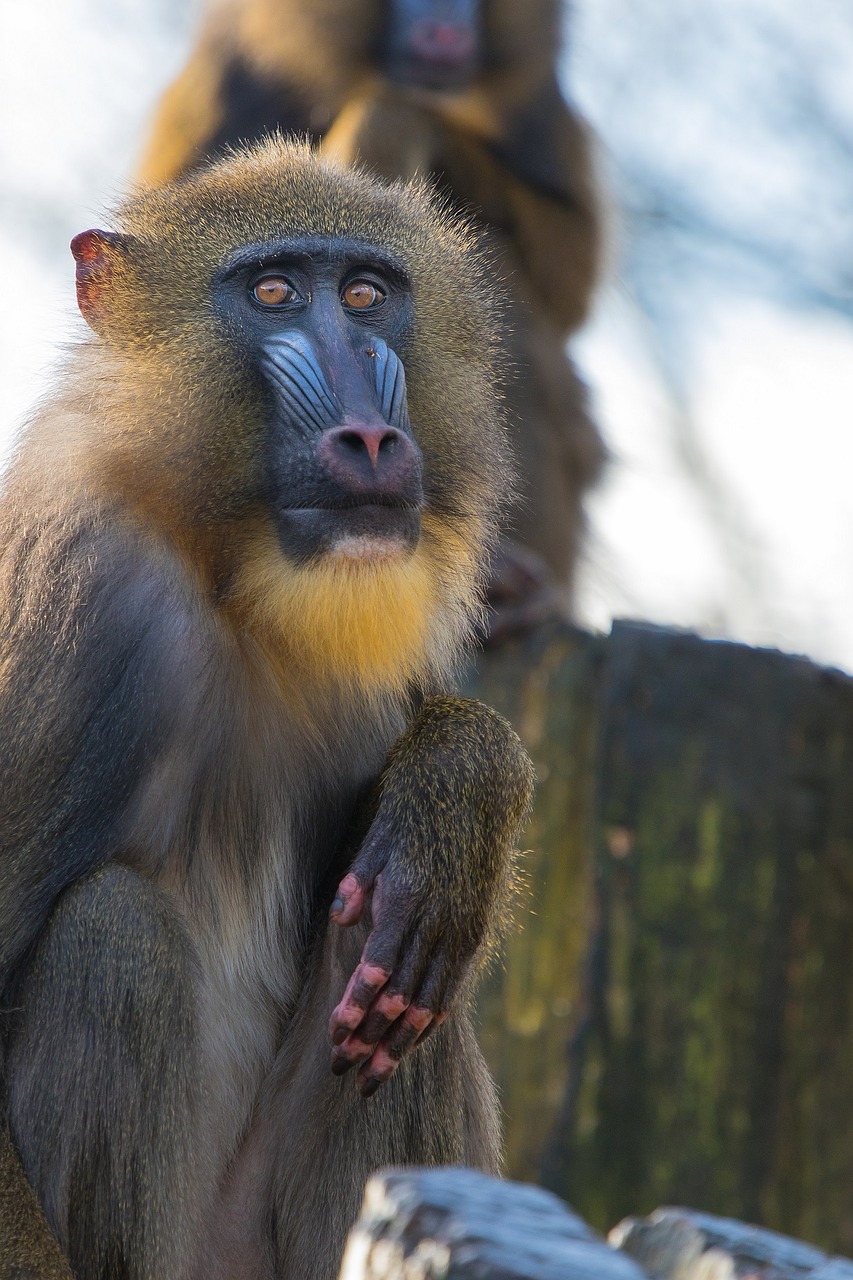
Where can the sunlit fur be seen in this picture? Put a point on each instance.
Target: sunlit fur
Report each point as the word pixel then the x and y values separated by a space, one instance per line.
pixel 195 733
pixel 383 625
pixel 507 148
pixel 172 421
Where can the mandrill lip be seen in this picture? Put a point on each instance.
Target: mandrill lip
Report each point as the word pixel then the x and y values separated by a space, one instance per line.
pixel 349 502
pixel 308 532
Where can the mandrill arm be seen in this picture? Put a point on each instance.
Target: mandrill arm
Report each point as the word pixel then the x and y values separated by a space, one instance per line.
pixel 434 867
pixel 89 626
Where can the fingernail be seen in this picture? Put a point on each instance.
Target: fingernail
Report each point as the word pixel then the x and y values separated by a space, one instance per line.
pixel 370 1086
pixel 340 1065
pixel 340 1035
pixel 337 905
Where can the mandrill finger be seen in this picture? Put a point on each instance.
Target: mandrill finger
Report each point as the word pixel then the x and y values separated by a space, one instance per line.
pixel 350 900
pixel 385 1010
pixel 386 1058
pixel 440 985
pixel 349 1054
pixel 371 975
pixel 357 1046
pixel 362 989
pixel 408 1032
pixel 432 1026
pixel 353 890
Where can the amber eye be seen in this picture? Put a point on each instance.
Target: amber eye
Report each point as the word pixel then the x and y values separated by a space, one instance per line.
pixel 361 294
pixel 274 291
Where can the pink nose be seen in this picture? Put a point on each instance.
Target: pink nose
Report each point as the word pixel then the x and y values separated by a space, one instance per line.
pixel 446 36
pixel 372 459
pixel 444 41
pixel 353 442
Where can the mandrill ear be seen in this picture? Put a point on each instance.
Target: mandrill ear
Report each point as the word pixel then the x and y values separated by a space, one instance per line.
pixel 99 255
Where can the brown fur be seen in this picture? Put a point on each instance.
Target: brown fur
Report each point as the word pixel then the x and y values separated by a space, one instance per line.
pixel 508 148
pixel 28 1250
pixel 186 776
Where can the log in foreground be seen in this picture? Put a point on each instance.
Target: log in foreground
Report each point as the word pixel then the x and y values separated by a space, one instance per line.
pixel 675 1020
pixel 681 1244
pixel 455 1224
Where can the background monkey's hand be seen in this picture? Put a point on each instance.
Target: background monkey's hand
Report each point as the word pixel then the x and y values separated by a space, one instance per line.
pixel 387 131
pixel 434 869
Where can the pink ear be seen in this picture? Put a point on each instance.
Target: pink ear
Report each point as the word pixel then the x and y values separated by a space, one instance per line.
pixel 96 254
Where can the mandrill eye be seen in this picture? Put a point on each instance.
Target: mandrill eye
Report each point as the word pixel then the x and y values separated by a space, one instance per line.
pixel 360 295
pixel 274 291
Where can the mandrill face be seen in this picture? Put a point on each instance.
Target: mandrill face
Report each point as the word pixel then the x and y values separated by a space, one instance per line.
pixel 324 319
pixel 255 319
pixel 434 44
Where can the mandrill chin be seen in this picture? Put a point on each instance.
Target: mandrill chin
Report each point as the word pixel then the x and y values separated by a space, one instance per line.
pixel 467 92
pixel 254 848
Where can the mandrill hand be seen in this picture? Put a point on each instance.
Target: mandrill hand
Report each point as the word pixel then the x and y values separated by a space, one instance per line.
pixel 434 862
pixel 406 977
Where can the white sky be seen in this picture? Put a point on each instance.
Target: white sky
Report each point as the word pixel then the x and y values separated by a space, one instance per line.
pixel 772 390
pixel 773 393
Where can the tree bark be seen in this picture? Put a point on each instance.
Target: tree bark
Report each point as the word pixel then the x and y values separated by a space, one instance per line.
pixel 675 1020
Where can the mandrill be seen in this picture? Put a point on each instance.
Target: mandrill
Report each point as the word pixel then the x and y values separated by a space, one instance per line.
pixel 466 91
pixel 249 838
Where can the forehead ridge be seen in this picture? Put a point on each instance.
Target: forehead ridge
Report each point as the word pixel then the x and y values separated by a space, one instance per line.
pixel 223 217
pixel 334 249
pixel 254 199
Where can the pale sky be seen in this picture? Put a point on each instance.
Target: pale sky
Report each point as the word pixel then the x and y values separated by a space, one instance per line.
pixel 772 388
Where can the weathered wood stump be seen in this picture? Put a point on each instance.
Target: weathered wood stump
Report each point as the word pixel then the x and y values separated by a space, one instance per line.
pixel 681 1244
pixel 675 1020
pixel 455 1224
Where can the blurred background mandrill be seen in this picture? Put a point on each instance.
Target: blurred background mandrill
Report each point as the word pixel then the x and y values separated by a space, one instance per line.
pixel 466 91
pixel 249 841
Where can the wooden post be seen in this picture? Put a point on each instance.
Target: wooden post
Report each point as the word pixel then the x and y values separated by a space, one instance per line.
pixel 675 1020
